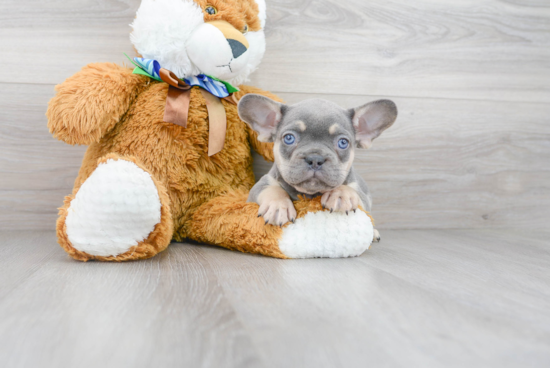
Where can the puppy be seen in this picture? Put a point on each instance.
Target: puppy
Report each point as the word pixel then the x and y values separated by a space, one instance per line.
pixel 315 143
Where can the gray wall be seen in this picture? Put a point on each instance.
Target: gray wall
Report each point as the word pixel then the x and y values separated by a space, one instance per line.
pixel 470 149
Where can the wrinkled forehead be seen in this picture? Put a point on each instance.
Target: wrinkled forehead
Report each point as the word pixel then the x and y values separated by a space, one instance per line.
pixel 318 117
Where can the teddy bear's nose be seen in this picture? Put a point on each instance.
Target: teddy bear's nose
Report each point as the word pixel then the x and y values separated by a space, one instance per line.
pixel 237 48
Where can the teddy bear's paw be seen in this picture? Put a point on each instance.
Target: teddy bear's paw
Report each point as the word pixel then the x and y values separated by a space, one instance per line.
pixel 117 207
pixel 327 235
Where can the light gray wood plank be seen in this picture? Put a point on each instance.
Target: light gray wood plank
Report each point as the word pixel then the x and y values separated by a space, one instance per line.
pixel 22 253
pixel 168 312
pixel 496 50
pixel 30 157
pixel 66 13
pixel 419 298
pixel 48 41
pixel 429 298
pixel 444 164
pixel 50 55
pixel 31 209
pixel 36 170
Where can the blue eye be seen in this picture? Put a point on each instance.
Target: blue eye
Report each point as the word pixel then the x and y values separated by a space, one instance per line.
pixel 343 143
pixel 289 139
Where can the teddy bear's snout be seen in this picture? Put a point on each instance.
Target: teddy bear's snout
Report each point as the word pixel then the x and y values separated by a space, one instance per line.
pixel 218 49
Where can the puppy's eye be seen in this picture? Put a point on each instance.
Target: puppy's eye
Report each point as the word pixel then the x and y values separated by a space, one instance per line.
pixel 245 29
pixel 289 139
pixel 211 10
pixel 343 143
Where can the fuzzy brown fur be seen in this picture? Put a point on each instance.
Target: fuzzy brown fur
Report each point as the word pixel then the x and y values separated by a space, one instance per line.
pixel 120 116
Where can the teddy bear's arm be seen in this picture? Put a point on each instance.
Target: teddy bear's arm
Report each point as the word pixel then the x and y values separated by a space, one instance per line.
pixel 91 102
pixel 264 149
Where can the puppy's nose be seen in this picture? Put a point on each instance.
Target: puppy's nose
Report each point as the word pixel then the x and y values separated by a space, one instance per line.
pixel 237 48
pixel 315 161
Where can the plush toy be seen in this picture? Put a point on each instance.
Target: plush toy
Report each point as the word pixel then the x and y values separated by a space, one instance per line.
pixel 168 156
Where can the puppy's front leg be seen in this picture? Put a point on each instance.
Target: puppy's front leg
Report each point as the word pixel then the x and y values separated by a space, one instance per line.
pixel 342 199
pixel 276 207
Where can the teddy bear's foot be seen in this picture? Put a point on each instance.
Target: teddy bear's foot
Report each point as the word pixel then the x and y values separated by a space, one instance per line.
pixel 231 222
pixel 327 235
pixel 119 213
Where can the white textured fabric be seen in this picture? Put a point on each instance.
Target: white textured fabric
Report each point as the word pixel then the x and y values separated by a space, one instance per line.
pixel 116 207
pixel 327 235
pixel 256 52
pixel 169 31
pixel 262 11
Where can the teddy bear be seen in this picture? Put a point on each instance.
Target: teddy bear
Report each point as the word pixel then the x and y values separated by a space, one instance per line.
pixel 168 157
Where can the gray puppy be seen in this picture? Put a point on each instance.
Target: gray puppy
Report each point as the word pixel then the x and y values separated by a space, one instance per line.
pixel 314 149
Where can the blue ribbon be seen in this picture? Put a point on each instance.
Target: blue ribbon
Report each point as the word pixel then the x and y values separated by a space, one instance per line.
pixel 213 86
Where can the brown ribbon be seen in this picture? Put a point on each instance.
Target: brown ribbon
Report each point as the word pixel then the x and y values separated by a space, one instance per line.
pixel 217 122
pixel 172 79
pixel 177 109
pixel 177 106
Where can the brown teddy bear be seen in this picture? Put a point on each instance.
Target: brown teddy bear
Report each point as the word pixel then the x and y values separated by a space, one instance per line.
pixel 168 156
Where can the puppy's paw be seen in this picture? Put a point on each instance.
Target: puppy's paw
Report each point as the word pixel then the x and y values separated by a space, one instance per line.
pixel 341 199
pixel 376 237
pixel 278 211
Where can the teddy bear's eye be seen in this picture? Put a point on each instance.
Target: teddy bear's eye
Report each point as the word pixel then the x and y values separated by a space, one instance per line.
pixel 245 29
pixel 211 10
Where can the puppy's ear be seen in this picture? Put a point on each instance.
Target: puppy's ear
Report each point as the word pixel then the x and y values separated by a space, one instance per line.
pixel 371 119
pixel 262 114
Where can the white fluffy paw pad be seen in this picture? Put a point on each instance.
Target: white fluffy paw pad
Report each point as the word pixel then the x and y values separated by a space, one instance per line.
pixel 327 235
pixel 116 207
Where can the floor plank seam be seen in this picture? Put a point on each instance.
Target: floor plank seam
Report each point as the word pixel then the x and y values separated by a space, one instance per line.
pixel 257 351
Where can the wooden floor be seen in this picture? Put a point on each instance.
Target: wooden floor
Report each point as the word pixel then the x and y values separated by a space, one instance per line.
pixel 437 298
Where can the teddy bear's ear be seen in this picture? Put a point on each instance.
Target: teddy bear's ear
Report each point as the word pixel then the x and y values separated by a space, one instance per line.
pixel 371 119
pixel 262 114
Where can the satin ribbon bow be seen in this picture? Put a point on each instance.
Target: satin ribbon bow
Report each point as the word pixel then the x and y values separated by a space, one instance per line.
pixel 179 96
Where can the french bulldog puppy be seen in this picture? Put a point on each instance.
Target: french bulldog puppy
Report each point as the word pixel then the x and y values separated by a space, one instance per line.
pixel 314 148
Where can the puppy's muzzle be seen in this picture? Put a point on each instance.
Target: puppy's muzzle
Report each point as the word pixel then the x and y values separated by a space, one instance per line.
pixel 315 162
